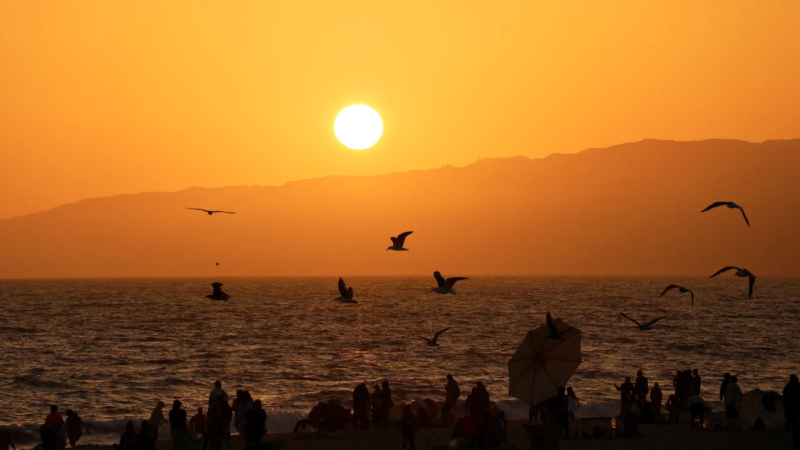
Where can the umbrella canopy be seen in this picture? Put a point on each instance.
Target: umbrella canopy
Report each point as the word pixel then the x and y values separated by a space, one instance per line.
pixel 753 408
pixel 543 363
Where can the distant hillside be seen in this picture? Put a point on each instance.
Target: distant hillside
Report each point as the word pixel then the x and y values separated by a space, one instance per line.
pixel 631 209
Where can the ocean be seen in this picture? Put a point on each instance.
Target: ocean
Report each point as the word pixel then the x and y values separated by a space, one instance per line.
pixel 111 348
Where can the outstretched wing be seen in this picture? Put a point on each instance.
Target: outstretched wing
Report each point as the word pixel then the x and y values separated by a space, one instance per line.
pixel 724 269
pixel 451 281
pixel 654 321
pixel 217 288
pixel 394 241
pixel 714 205
pixel 436 336
pixel 226 212
pixel 689 291
pixel 342 288
pixel 626 316
pixel 401 238
pixel 744 215
pixel 198 209
pixel 671 286
pixel 551 325
pixel 752 282
pixel 350 292
pixel 439 278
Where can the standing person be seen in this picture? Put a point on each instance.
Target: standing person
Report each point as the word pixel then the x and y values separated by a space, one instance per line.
pixel 215 427
pixel 452 391
pixel 409 427
pixel 641 388
pixel 377 406
pixel 655 399
pixel 244 404
pixel 237 421
pixel 791 406
pixel 361 406
pixel 157 419
pixel 674 409
pixel 562 411
pixel 254 423
pixel 196 422
pixel 74 425
pixel 181 438
pixel 733 402
pixel 52 432
pixel 217 395
pixel 574 403
pixel 54 421
pixel 697 381
pixel 687 388
pixel 725 380
pixel 147 438
pixel 387 403
pixel 128 439
pixel 625 394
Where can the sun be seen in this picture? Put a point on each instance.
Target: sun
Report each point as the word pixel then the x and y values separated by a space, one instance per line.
pixel 358 127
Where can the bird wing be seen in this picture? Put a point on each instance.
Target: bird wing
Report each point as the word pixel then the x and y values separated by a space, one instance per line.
pixel 394 241
pixel 745 216
pixel 626 316
pixel 724 269
pixel 198 209
pixel 439 279
pixel 342 288
pixel 451 281
pixel 654 321
pixel 692 297
pixel 752 282
pixel 217 287
pixel 226 212
pixel 350 292
pixel 401 238
pixel 714 205
pixel 551 325
pixel 436 336
pixel 671 286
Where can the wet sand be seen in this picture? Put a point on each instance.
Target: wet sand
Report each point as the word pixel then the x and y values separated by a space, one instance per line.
pixel 654 437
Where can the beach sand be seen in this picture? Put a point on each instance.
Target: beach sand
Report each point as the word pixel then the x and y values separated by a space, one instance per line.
pixel 653 437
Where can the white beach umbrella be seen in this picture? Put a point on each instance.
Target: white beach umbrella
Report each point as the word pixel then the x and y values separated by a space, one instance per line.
pixel 544 362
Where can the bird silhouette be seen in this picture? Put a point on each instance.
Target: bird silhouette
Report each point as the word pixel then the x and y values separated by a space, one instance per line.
pixel 346 293
pixel 554 334
pixel 397 242
pixel 445 286
pixel 643 327
pixel 211 212
pixel 680 288
pixel 729 205
pixel 218 294
pixel 434 342
pixel 739 273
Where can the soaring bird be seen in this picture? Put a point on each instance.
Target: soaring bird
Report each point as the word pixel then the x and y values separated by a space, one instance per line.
pixel 397 242
pixel 729 205
pixel 643 327
pixel 434 342
pixel 218 294
pixel 346 293
pixel 211 212
pixel 739 273
pixel 682 289
pixel 445 286
pixel 554 334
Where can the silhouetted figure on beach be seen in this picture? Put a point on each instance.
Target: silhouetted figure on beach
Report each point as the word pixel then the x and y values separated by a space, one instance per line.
pixel 74 426
pixel 157 419
pixel 673 409
pixel 791 407
pixel 641 388
pixel 387 403
pixel 452 391
pixel 626 397
pixel 5 439
pixel 196 423
pixel 687 388
pixel 697 410
pixel 254 423
pixel 655 399
pixel 361 402
pixel 574 403
pixel 215 427
pixel 128 439
pixel 52 432
pixel 147 437
pixel 726 378
pixel 698 382
pixel 245 403
pixel 237 419
pixel 562 410
pixel 217 394
pixel 495 431
pixel 408 428
pixel 377 405
pixel 733 402
pixel 182 439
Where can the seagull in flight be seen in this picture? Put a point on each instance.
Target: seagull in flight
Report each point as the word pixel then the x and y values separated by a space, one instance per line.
pixel 211 212
pixel 434 342
pixel 739 273
pixel 680 288
pixel 643 327
pixel 729 205
pixel 554 334
pixel 218 294
pixel 397 242
pixel 346 293
pixel 445 286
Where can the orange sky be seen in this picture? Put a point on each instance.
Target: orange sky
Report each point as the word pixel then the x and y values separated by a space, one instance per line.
pixel 99 98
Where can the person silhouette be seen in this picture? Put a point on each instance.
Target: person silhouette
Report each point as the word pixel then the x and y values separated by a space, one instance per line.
pixel 452 391
pixel 74 426
pixel 254 423
pixel 128 439
pixel 641 388
pixel 157 420
pixel 626 391
pixel 655 399
pixel 698 382
pixel 791 407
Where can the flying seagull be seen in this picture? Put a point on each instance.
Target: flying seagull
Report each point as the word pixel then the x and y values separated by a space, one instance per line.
pixel 346 293
pixel 211 212
pixel 739 273
pixel 445 286
pixel 397 242
pixel 645 327
pixel 729 205
pixel 554 334
pixel 680 288
pixel 434 342
pixel 218 294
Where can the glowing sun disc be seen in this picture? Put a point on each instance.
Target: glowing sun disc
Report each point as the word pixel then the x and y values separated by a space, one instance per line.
pixel 358 127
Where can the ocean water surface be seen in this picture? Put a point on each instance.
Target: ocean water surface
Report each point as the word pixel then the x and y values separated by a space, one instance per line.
pixel 111 348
